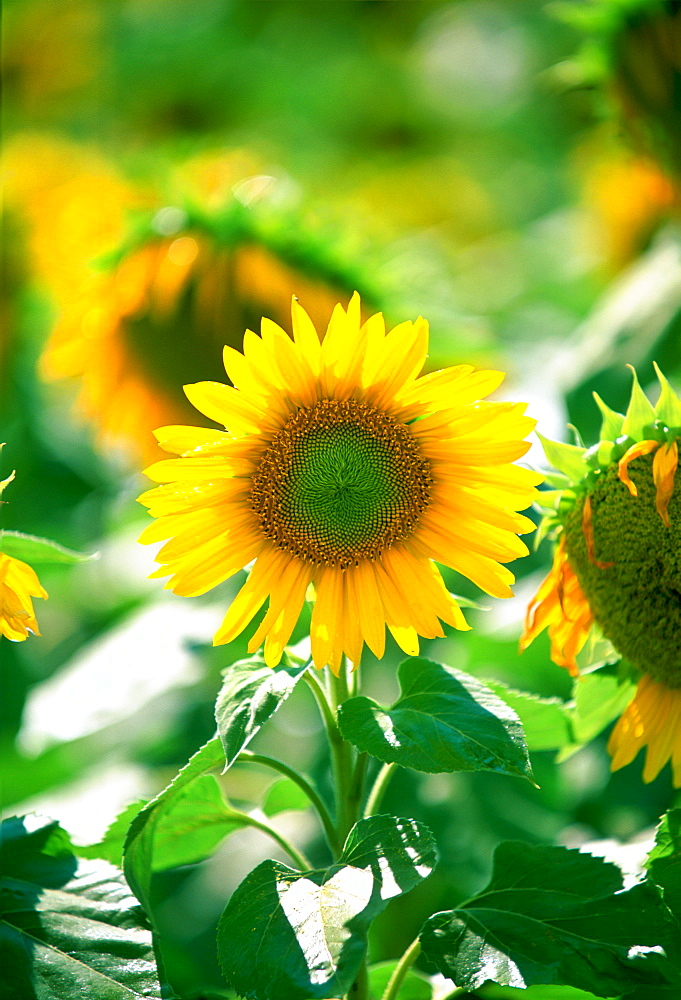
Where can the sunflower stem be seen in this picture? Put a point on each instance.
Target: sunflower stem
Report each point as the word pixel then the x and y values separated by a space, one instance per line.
pixel 401 969
pixel 246 757
pixel 342 753
pixel 378 789
pixel 296 856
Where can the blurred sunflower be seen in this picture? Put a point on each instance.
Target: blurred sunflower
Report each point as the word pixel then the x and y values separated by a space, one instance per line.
pixel 343 468
pixel 18 584
pixel 159 315
pixel 617 567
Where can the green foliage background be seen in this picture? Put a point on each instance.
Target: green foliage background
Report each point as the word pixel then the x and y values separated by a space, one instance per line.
pixel 446 149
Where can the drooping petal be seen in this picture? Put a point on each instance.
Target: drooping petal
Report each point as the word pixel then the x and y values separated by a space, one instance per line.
pixel 636 450
pixel 665 464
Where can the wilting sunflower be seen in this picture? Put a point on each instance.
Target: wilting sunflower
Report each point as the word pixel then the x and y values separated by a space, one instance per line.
pixel 342 468
pixel 159 314
pixel 617 567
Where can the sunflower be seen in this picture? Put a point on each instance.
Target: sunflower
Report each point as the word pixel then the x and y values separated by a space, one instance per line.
pixel 18 584
pixel 343 469
pixel 152 318
pixel 617 567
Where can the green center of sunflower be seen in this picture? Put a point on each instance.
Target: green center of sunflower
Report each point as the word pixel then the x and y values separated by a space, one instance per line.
pixel 635 592
pixel 340 482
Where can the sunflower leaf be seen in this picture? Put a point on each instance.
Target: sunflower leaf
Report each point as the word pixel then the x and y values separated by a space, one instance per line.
pixel 444 721
pixel 545 721
pixel 32 549
pixel 153 826
pixel 640 412
pixel 600 697
pixel 567 458
pixel 668 408
pixel 303 935
pixel 70 927
pixel 555 916
pixel 283 795
pixel 110 847
pixel 664 861
pixel 251 693
pixel 611 427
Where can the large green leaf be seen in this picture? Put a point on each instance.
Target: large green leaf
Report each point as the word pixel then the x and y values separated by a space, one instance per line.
pixel 147 842
pixel 32 549
pixel 303 935
pixel 555 916
pixel 251 693
pixel 664 861
pixel 545 721
pixel 444 720
pixel 70 928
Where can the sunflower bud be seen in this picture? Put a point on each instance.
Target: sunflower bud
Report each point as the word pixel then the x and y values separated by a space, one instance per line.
pixel 617 519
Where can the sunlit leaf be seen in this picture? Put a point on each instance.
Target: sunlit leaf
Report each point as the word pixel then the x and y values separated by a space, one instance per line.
pixel 415 986
pixel 150 827
pixel 664 861
pixel 545 721
pixel 110 847
pixel 640 412
pixel 567 458
pixel 444 720
pixel 303 935
pixel 33 550
pixel 559 917
pixel 283 795
pixel 600 697
pixel 251 693
pixel 70 928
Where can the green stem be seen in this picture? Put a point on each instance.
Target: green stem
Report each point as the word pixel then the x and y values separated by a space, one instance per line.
pixel 378 789
pixel 246 757
pixel 342 754
pixel 322 700
pixel 401 970
pixel 296 856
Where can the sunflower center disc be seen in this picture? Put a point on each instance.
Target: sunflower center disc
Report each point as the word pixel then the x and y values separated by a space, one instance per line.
pixel 636 601
pixel 340 482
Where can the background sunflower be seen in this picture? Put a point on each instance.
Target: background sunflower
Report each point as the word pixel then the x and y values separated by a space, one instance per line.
pixel 450 159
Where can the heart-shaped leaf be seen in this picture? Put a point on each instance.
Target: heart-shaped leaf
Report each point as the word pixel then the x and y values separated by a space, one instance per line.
pixel 444 720
pixel 555 916
pixel 303 935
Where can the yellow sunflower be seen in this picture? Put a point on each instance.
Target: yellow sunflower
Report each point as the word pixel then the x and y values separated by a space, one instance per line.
pixel 342 468
pixel 617 567
pixel 18 584
pixel 160 314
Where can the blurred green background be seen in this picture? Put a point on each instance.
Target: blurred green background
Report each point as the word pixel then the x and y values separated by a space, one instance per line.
pixel 173 170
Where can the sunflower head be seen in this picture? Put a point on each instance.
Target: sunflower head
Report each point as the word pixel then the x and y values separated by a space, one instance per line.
pixel 158 312
pixel 18 584
pixel 341 467
pixel 616 515
pixel 631 47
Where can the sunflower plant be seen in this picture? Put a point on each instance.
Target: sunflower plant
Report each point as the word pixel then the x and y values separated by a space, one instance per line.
pixel 614 515
pixel 346 483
